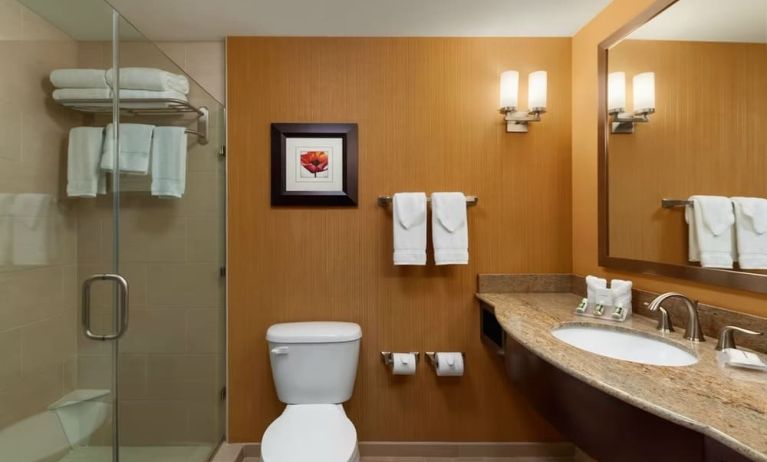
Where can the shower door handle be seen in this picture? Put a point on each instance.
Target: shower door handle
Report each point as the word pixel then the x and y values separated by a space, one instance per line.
pixel 122 306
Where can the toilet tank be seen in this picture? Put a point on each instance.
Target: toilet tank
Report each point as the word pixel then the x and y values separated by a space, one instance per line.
pixel 314 362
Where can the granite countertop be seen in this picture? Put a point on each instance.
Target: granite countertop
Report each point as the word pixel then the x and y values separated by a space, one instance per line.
pixel 729 405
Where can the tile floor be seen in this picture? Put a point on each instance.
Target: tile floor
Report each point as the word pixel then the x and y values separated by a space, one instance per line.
pixel 140 454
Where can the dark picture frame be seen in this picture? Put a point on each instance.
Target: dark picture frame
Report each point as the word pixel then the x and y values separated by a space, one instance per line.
pixel 308 170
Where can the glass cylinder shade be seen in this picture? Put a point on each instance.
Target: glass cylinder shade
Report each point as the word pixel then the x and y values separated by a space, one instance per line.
pixel 644 92
pixel 536 90
pixel 616 91
pixel 509 89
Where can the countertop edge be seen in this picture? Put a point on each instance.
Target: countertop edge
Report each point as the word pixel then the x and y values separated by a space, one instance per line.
pixel 648 406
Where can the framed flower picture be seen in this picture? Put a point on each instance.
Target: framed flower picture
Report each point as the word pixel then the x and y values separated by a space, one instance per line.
pixel 314 164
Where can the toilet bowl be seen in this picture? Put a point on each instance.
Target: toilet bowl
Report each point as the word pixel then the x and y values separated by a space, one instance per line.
pixel 314 365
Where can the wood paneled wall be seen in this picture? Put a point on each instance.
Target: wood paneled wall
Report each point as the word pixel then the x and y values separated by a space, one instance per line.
pixel 584 168
pixel 707 137
pixel 428 121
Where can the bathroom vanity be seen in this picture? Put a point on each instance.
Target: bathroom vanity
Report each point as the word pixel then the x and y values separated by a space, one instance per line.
pixel 621 410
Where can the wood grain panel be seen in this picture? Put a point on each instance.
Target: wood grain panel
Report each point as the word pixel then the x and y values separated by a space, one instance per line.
pixel 707 137
pixel 428 121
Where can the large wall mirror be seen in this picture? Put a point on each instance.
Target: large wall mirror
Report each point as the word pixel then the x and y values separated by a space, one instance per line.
pixel 683 97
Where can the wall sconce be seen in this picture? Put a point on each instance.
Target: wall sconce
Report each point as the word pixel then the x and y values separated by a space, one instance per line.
pixel 516 121
pixel 644 100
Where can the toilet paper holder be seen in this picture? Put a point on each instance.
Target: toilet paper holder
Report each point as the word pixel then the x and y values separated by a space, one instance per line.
pixel 431 356
pixel 386 356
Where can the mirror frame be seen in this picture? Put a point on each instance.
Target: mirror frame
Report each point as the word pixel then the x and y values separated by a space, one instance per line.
pixel 720 277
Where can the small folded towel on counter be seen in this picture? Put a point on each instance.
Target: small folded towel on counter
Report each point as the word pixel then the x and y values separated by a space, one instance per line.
pixel 33 230
pixel 712 240
pixel 169 162
pixel 621 292
pixel 6 228
pixel 751 231
pixel 409 219
pixel 144 78
pixel 81 93
pixel 79 78
pixel 135 146
pixel 595 288
pixel 84 175
pixel 449 228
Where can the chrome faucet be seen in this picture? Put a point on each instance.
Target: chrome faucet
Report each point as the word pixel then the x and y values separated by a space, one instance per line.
pixel 693 332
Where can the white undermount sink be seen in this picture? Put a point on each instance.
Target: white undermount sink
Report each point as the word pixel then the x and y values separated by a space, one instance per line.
pixel 624 344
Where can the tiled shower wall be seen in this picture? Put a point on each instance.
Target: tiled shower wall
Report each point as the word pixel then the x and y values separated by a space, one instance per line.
pixel 38 297
pixel 171 368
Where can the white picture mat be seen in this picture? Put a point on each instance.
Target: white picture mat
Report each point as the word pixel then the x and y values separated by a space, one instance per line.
pixel 333 181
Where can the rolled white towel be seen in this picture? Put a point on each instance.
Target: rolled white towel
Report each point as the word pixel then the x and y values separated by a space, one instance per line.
pixel 145 78
pixel 79 78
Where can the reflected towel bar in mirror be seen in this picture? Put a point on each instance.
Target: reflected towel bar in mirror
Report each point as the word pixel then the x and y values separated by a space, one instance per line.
pixel 671 203
pixel 384 201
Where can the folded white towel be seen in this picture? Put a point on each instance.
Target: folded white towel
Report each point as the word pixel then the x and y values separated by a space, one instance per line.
pixel 135 145
pixel 79 78
pixel 84 175
pixel 594 285
pixel 449 228
pixel 751 231
pixel 33 229
pixel 144 78
pixel 6 229
pixel 105 93
pixel 621 292
pixel 81 93
pixel 127 95
pixel 169 162
pixel 712 236
pixel 409 224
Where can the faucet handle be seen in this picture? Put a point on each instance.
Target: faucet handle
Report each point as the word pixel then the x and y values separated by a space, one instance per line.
pixel 727 336
pixel 664 321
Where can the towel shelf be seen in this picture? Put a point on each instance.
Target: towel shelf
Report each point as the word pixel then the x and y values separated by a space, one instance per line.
pixel 671 203
pixel 145 107
pixel 384 201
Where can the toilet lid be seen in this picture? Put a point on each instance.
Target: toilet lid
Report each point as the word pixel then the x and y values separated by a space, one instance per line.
pixel 310 432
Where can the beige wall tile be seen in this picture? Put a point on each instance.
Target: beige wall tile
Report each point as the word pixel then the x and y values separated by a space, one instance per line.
pixel 48 344
pixel 146 423
pixel 190 284
pixel 10 356
pixel 203 330
pixel 155 331
pixel 35 294
pixel 205 240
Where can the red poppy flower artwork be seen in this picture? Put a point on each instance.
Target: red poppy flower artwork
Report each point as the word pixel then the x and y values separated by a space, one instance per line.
pixel 315 161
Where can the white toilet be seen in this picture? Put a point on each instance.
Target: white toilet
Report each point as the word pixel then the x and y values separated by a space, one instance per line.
pixel 314 365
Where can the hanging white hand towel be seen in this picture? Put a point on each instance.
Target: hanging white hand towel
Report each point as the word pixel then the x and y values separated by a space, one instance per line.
pixel 169 162
pixel 409 221
pixel 135 145
pixel 713 219
pixel 33 229
pixel 449 228
pixel 6 229
pixel 751 231
pixel 84 175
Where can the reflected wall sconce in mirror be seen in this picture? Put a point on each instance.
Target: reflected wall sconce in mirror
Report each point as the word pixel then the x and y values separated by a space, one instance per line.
pixel 644 100
pixel 516 121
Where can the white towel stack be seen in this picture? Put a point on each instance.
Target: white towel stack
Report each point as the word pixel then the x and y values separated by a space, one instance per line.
pixel 135 83
pixel 711 236
pixel 751 231
pixel 409 221
pixel 449 230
